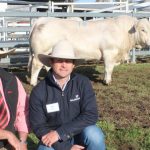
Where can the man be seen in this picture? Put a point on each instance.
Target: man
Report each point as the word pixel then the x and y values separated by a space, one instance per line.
pixel 13 111
pixel 62 109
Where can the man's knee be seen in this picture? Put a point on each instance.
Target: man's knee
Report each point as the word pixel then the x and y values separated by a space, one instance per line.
pixel 94 134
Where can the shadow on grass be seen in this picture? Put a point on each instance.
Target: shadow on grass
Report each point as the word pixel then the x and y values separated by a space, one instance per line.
pixel 87 70
pixel 90 72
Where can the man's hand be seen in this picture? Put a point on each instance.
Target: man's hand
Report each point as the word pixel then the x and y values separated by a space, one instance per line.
pixel 77 147
pixel 50 138
pixel 14 141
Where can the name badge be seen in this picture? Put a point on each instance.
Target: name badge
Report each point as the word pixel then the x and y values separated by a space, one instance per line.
pixel 52 107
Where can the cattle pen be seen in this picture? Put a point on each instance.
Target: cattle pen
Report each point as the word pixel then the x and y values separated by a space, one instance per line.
pixel 16 19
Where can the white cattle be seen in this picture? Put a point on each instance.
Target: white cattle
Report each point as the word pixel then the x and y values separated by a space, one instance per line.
pixel 110 39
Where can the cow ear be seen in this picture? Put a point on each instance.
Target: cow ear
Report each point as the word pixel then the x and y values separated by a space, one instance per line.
pixel 132 30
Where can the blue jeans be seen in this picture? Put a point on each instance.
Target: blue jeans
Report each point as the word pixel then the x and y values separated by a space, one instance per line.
pixel 92 138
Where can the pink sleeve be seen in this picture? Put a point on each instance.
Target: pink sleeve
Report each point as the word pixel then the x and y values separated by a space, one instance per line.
pixel 22 121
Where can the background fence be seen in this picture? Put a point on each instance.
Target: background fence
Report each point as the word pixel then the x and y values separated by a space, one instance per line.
pixel 17 18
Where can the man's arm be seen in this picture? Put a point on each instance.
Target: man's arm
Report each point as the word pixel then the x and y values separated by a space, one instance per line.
pixel 38 120
pixel 12 139
pixel 22 113
pixel 22 116
pixel 23 140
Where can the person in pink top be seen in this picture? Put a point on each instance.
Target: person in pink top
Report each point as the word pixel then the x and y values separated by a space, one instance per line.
pixel 14 126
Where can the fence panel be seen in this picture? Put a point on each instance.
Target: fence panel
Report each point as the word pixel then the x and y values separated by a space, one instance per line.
pixel 15 26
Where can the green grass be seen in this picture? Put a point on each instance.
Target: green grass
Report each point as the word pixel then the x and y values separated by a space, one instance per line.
pixel 126 138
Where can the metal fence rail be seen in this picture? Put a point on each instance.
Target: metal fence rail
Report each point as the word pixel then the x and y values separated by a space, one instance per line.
pixel 9 16
pixel 17 36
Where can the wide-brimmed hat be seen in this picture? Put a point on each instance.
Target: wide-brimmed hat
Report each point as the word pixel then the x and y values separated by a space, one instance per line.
pixel 4 53
pixel 63 49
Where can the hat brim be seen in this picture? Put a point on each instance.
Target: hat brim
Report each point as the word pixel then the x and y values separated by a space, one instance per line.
pixel 45 59
pixel 4 53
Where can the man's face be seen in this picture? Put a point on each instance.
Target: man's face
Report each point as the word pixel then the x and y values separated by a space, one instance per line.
pixel 62 67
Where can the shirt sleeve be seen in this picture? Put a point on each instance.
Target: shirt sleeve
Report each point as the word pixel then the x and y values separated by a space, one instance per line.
pixel 38 124
pixel 22 121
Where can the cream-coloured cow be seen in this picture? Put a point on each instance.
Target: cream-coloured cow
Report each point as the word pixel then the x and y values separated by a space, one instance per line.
pixel 110 39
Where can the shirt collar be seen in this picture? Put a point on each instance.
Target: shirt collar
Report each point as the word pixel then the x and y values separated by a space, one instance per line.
pixel 63 88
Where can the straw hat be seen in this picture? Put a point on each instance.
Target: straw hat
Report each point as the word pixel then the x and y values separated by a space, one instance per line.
pixel 62 49
pixel 4 53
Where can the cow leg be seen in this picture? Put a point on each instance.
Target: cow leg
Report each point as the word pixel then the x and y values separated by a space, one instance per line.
pixel 108 73
pixel 109 63
pixel 36 67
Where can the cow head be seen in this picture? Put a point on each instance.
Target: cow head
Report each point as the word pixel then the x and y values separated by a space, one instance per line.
pixel 142 33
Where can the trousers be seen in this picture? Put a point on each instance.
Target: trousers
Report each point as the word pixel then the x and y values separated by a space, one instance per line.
pixel 92 138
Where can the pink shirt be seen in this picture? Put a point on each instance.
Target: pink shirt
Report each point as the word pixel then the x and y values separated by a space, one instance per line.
pixel 21 122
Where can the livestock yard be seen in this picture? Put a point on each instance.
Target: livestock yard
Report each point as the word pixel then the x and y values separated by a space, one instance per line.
pixel 123 106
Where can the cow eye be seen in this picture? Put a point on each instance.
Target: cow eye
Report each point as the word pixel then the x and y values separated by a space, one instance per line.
pixel 143 30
